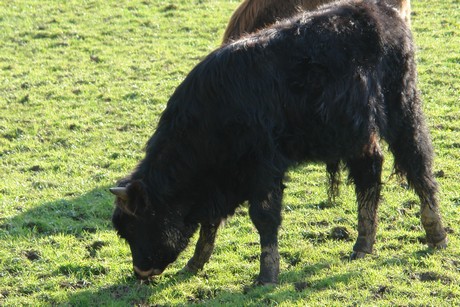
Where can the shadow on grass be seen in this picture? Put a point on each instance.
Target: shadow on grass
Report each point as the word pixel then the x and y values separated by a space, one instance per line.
pixel 132 292
pixel 127 292
pixel 87 213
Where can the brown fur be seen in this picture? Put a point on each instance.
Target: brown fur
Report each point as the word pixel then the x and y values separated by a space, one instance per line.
pixel 253 15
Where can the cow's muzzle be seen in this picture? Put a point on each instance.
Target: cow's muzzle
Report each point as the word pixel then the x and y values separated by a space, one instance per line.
pixel 146 274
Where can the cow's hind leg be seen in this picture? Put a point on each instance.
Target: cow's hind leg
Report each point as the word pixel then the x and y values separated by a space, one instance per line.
pixel 413 154
pixel 365 171
pixel 203 249
pixel 409 140
pixel 266 216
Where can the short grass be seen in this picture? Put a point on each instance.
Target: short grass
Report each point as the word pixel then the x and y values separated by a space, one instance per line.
pixel 82 84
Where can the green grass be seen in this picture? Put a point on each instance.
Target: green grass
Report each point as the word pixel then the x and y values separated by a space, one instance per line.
pixel 82 84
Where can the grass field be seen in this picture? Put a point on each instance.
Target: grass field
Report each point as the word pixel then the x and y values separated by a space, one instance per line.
pixel 82 85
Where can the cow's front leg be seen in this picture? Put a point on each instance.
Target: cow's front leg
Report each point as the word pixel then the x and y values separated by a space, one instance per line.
pixel 366 174
pixel 266 216
pixel 203 249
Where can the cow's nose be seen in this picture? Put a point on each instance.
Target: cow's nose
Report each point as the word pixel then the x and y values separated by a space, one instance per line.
pixel 146 274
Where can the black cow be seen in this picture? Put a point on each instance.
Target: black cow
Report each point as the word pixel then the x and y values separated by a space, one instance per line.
pixel 323 86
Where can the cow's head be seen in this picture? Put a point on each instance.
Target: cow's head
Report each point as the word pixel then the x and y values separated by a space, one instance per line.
pixel 156 234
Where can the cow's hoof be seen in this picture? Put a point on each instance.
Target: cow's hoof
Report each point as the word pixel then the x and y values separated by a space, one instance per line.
pixel 357 255
pixel 190 269
pixel 439 245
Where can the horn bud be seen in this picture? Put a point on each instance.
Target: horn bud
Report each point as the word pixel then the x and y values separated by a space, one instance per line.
pixel 120 192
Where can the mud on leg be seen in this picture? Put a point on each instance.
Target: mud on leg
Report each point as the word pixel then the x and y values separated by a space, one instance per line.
pixel 203 249
pixel 266 216
pixel 366 172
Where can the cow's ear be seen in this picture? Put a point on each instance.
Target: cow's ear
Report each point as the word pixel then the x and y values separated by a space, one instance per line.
pixel 137 195
pixel 131 198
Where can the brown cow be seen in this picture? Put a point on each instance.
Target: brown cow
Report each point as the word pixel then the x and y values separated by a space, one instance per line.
pixel 253 15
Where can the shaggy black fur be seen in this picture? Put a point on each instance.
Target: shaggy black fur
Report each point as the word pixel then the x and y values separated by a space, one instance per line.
pixel 323 86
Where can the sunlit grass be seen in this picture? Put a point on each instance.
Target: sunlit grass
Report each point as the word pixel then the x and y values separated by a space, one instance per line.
pixel 82 84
